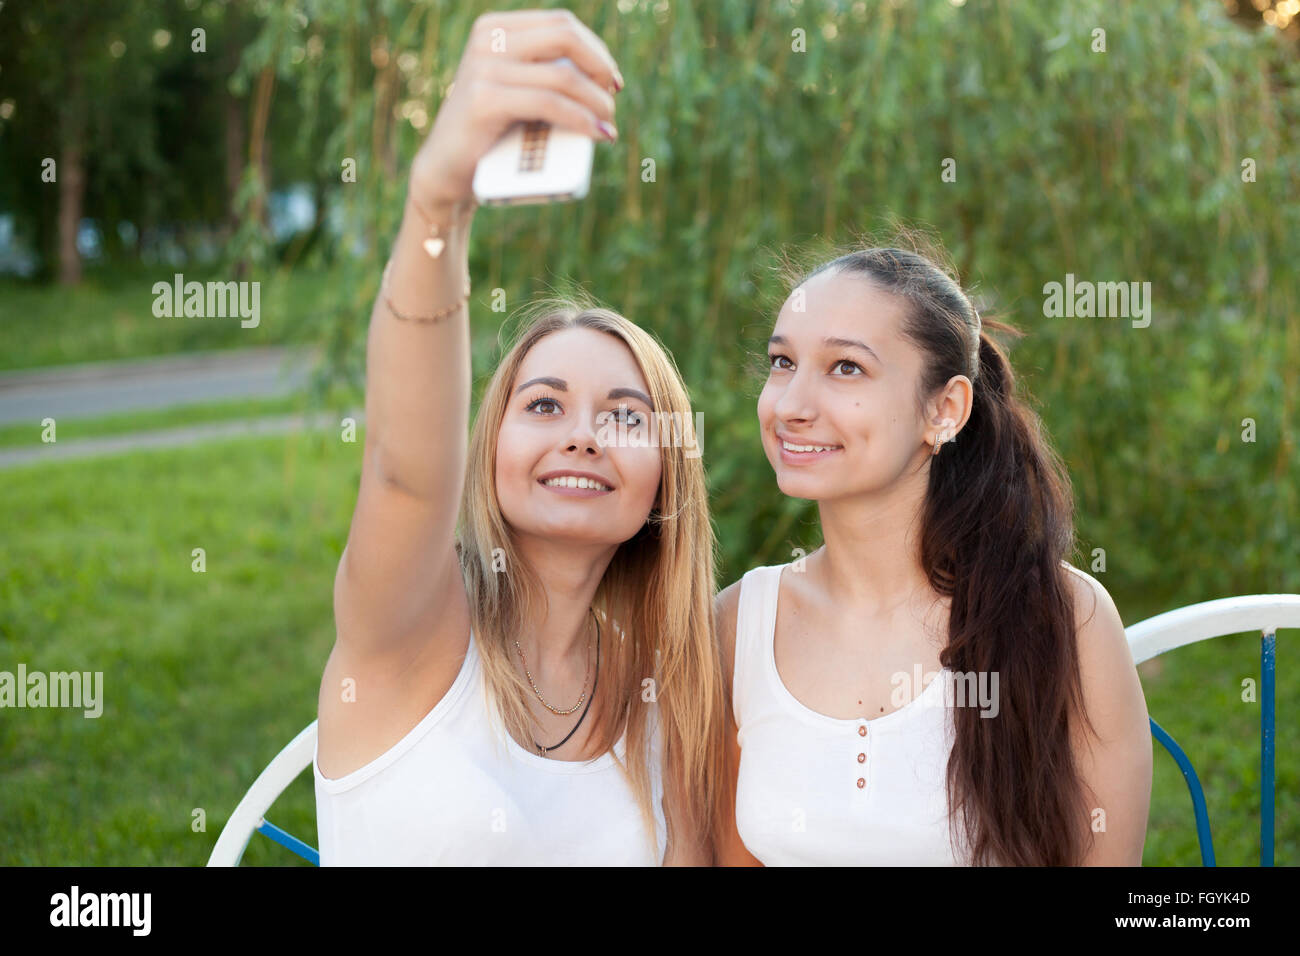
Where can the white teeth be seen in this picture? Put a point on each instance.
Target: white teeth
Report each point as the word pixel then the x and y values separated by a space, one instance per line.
pixel 571 481
pixel 790 447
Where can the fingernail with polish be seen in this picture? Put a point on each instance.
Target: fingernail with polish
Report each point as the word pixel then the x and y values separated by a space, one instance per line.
pixel 608 129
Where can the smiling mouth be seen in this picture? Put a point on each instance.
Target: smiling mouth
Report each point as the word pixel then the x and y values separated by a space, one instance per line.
pixel 807 449
pixel 572 483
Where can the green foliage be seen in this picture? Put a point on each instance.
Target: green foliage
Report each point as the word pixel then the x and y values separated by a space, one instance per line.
pixel 1122 165
pixel 151 109
pixel 748 130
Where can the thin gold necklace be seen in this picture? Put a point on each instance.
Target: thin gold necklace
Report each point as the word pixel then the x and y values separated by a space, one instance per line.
pixel 544 751
pixel 561 713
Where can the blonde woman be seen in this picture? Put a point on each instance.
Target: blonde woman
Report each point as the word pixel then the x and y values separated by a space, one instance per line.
pixel 544 688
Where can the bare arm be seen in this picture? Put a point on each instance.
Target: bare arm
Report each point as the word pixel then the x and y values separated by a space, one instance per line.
pixel 686 846
pixel 400 557
pixel 398 577
pixel 731 848
pixel 1115 763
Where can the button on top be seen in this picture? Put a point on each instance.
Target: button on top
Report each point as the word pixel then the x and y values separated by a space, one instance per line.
pixel 862 731
pixel 861 783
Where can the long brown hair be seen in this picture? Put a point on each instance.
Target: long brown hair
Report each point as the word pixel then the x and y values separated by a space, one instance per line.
pixel 656 594
pixel 996 528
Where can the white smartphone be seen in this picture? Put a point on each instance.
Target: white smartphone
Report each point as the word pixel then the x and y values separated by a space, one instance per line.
pixel 535 163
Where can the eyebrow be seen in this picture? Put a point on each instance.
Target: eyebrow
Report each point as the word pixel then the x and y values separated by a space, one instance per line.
pixel 833 342
pixel 560 385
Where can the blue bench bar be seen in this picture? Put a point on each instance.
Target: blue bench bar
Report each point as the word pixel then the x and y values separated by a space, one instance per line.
pixel 1268 662
pixel 285 839
pixel 1267 718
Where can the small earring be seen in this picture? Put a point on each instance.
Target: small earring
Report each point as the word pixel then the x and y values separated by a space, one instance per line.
pixel 944 435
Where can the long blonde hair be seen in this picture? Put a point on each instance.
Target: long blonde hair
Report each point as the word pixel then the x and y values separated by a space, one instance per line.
pixel 657 592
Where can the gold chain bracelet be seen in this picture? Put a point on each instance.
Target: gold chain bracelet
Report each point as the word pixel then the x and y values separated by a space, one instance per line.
pixel 434 246
pixel 436 316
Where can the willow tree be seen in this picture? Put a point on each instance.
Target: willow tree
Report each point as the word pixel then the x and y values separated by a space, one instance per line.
pixel 1144 142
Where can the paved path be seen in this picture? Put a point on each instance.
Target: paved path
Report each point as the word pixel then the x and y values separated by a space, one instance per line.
pixel 172 437
pixel 104 388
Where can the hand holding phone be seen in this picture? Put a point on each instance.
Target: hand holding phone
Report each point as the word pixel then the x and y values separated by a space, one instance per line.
pixel 533 163
pixel 535 84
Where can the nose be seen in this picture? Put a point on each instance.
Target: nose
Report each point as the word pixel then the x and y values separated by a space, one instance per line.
pixel 583 438
pixel 795 403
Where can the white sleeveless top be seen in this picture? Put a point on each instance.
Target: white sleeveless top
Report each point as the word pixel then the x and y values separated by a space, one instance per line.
pixel 457 791
pixel 823 791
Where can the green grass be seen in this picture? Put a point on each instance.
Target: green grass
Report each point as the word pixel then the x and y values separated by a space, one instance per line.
pixel 207 676
pixel 110 316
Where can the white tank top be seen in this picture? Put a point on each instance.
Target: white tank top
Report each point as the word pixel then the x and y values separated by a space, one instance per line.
pixel 457 791
pixel 823 791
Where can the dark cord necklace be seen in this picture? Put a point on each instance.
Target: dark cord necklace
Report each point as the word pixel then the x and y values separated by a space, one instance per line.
pixel 543 751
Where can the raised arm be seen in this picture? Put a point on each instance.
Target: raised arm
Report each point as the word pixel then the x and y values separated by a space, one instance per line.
pixel 398 578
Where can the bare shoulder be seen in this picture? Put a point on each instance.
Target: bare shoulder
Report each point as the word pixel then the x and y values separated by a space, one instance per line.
pixel 726 606
pixel 372 698
pixel 1096 618
pixel 1111 687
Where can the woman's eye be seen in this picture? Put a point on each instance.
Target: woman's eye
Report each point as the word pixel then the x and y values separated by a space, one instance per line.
pixel 776 360
pixel 844 362
pixel 631 417
pixel 542 401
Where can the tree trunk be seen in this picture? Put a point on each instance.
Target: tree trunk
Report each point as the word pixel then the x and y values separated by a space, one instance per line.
pixel 258 156
pixel 71 173
pixel 235 146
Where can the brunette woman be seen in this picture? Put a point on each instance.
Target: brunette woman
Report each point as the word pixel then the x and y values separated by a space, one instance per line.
pixel 936 684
